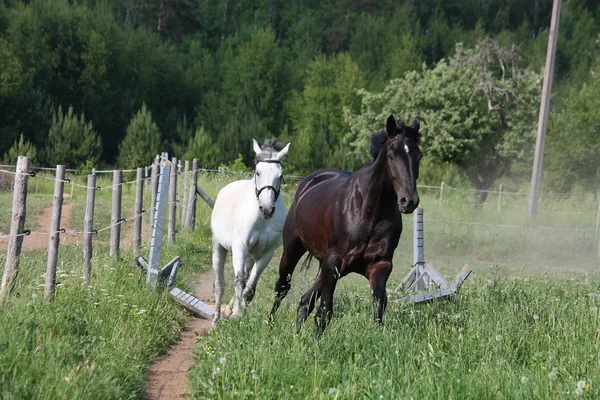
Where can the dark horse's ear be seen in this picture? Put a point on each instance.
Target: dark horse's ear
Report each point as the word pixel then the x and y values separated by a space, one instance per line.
pixel 416 124
pixel 392 128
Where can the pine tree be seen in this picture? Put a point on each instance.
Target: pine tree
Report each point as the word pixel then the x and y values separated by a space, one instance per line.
pixel 142 141
pixel 21 147
pixel 72 140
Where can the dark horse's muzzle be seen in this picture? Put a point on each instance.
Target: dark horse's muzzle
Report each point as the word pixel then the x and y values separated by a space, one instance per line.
pixel 407 205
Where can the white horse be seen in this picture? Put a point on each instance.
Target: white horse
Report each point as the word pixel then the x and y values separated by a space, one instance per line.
pixel 247 220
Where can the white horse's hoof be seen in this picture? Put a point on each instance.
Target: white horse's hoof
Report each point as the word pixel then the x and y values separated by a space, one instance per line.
pixel 227 312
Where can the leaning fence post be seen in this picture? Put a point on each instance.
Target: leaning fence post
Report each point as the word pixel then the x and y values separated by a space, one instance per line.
pixel 54 233
pixel 115 230
pixel 184 198
pixel 172 200
pixel 17 226
pixel 137 227
pixel 158 224
pixel 88 228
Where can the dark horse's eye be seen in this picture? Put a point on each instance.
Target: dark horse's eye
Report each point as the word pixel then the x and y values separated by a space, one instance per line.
pixel 257 173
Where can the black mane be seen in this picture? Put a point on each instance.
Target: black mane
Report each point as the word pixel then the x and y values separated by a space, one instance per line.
pixel 378 140
pixel 269 148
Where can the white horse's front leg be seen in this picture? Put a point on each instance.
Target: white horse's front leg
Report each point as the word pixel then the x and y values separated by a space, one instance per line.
pixel 259 267
pixel 239 256
pixel 218 259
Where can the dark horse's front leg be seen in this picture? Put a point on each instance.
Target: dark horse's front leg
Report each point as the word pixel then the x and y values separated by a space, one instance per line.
pixel 378 274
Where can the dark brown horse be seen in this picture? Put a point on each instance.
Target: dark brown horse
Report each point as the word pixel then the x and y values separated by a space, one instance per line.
pixel 351 222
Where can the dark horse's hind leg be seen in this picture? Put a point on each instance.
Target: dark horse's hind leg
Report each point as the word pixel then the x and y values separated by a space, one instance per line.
pixel 293 250
pixel 307 303
pixel 378 274
pixel 328 279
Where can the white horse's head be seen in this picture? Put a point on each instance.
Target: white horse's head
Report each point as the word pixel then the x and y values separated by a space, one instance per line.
pixel 268 175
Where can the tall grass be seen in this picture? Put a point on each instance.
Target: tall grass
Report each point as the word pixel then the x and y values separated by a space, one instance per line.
pixel 522 338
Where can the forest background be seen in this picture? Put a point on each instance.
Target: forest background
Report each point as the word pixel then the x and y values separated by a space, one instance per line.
pixel 109 82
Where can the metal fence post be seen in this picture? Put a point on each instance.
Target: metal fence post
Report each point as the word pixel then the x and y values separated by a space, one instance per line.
pixel 418 255
pixel 158 225
pixel 172 201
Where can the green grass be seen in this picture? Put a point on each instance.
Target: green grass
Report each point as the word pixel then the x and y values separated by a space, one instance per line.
pixel 537 321
pixel 96 343
pixel 523 338
pixel 89 344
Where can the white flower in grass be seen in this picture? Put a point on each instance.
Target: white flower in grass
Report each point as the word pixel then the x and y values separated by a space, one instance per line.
pixel 223 360
pixel 581 385
pixel 578 391
pixel 34 296
pixel 552 375
pixel 524 380
pixel 389 382
pixel 254 375
pixel 217 371
pixel 499 338
pixel 536 317
pixel 332 390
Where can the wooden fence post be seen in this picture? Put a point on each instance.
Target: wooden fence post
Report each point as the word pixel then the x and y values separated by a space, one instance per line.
pixel 139 201
pixel 88 228
pixel 115 230
pixel 158 224
pixel 146 178
pixel 172 200
pixel 54 233
pixel 17 226
pixel 184 198
pixel 441 192
pixel 190 217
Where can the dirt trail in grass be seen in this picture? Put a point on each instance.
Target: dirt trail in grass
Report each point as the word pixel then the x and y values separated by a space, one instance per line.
pixel 42 224
pixel 167 378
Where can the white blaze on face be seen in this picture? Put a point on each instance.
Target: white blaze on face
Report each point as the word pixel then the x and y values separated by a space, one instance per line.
pixel 406 148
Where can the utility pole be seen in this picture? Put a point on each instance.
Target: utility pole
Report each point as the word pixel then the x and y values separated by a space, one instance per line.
pixel 538 158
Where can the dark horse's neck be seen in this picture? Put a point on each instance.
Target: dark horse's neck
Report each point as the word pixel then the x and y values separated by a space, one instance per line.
pixel 376 186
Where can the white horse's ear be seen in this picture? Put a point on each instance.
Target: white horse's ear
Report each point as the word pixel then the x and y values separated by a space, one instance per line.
pixel 257 149
pixel 283 152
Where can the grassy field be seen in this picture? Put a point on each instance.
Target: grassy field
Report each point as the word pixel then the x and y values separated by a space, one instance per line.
pixel 523 338
pixel 534 334
pixel 96 343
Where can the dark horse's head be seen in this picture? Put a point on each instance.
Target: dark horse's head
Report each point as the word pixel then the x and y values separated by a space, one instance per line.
pixel 400 145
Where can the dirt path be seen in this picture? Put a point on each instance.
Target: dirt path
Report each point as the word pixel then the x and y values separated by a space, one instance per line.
pixel 42 221
pixel 167 378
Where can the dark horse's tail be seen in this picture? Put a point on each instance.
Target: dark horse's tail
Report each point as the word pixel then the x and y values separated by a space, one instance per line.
pixel 306 263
